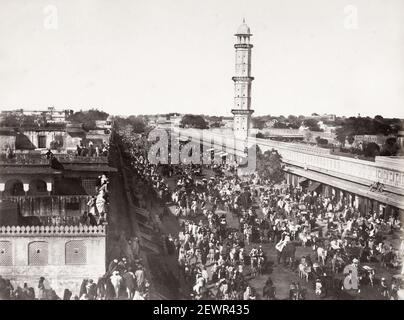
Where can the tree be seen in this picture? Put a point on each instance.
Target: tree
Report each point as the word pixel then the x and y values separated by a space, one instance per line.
pixel 258 123
pixel 280 125
pixel 269 165
pixel 136 124
pixel 216 125
pixel 193 121
pixel 321 142
pixel 341 135
pixel 390 147
pixel 312 124
pixel 350 139
pixel 19 120
pixel 367 126
pixel 294 122
pixel 371 149
pixel 88 118
pixel 215 119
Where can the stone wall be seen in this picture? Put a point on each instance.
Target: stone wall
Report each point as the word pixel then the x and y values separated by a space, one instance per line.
pixel 61 274
pixel 50 136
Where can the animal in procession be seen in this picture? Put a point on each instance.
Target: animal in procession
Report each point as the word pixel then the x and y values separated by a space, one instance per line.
pixel 117 282
pixel 304 269
pixel 322 255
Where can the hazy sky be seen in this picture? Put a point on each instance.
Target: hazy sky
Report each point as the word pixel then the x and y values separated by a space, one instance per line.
pixel 159 56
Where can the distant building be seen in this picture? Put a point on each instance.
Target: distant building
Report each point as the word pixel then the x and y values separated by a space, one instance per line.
pixel 326 127
pixel 175 120
pixel 61 136
pixel 162 120
pixel 104 124
pixel 400 140
pixel 228 122
pixel 324 117
pixel 51 115
pixel 271 123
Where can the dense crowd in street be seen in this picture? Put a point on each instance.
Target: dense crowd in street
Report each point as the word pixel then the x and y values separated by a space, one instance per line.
pixel 227 223
pixel 217 260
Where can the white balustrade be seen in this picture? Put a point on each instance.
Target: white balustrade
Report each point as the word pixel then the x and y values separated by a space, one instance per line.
pixel 386 170
pixel 52 230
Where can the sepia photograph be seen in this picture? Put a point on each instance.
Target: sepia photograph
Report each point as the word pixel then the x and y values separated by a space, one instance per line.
pixel 186 150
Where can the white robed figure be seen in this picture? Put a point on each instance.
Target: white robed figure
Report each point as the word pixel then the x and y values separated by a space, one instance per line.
pixel 91 204
pixel 100 202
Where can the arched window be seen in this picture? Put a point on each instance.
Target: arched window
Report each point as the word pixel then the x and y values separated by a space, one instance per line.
pixel 6 257
pixel 76 252
pixel 38 253
pixel 14 188
pixel 37 186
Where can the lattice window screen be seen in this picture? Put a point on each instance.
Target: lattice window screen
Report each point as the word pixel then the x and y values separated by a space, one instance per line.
pixel 76 252
pixel 38 253
pixel 89 185
pixel 6 257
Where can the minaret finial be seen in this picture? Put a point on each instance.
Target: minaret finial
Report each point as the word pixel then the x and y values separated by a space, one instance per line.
pixel 243 20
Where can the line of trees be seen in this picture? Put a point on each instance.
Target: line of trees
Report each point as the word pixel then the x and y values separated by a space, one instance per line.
pixel 137 124
pixel 88 118
pixel 367 126
pixel 193 121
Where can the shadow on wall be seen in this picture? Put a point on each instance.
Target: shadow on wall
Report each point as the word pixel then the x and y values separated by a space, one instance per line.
pixel 22 142
pixel 9 215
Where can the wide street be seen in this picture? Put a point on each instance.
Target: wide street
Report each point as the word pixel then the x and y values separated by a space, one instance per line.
pixel 163 268
pixel 283 276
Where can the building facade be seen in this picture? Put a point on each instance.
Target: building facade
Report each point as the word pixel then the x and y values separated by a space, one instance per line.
pixel 63 255
pixel 42 202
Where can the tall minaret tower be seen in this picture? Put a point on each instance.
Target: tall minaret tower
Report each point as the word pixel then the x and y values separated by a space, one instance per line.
pixel 242 83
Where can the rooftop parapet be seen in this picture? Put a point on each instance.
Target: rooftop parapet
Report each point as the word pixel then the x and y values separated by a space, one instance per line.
pixel 53 230
pixel 35 158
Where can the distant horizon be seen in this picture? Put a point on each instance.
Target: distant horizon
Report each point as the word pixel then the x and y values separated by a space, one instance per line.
pixel 181 113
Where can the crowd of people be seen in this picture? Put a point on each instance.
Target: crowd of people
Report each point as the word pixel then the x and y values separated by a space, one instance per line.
pixel 123 280
pixel 91 150
pixel 217 259
pixel 10 292
pixel 233 229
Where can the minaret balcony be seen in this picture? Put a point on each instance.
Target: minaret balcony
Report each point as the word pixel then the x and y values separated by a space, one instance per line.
pixel 243 45
pixel 242 111
pixel 245 79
